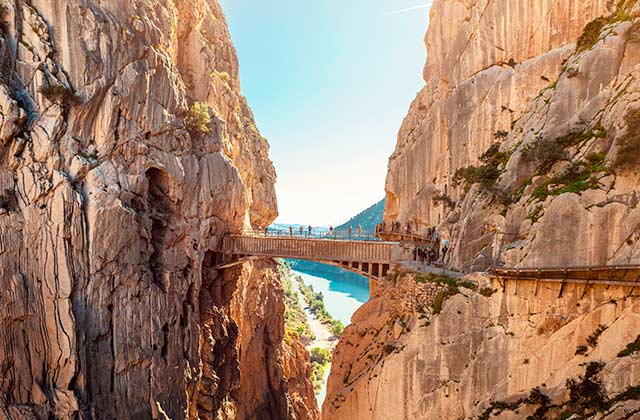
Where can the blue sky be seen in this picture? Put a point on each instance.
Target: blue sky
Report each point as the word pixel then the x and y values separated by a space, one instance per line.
pixel 329 82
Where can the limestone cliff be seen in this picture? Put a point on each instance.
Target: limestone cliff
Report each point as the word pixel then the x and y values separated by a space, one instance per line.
pixel 523 149
pixel 499 353
pixel 126 152
pixel 553 87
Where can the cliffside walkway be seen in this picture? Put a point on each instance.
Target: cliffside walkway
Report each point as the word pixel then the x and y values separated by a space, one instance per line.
pixel 609 275
pixel 374 258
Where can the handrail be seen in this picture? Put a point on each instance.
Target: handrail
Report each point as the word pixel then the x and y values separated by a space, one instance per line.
pixel 566 268
pixel 316 233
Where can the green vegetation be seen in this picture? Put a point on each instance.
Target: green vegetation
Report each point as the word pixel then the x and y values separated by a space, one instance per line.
pixel 587 396
pixel 487 291
pixel 486 175
pixel 224 76
pixel 536 214
pixel 60 93
pixel 452 288
pixel 198 119
pixel 320 360
pixel 536 396
pixel 592 31
pixel 592 340
pixel 581 350
pixel 586 392
pixel 501 135
pixel 628 155
pixel 547 152
pixel 576 178
pixel 315 303
pixel 295 320
pixel 631 348
pixel 367 219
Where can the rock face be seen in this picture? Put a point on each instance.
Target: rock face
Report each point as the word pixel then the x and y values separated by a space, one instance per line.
pixel 126 152
pixel 523 149
pixel 522 75
pixel 484 356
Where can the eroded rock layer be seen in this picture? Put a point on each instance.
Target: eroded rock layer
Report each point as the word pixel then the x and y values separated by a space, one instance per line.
pixel 126 152
pixel 502 353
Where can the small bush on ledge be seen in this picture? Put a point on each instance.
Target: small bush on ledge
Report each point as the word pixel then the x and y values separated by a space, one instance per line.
pixel 486 174
pixel 198 119
pixel 631 348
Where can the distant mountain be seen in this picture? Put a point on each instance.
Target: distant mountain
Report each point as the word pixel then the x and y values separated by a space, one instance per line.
pixel 367 219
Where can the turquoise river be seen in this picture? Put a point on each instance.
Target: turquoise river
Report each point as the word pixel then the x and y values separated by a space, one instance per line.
pixel 344 292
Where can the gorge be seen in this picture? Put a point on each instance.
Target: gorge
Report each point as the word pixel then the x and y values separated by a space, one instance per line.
pixel 128 154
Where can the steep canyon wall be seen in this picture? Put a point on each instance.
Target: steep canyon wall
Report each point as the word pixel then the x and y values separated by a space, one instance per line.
pixel 126 152
pixel 519 76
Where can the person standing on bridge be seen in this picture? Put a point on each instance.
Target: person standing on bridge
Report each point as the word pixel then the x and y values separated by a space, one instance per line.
pixel 291 231
pixel 310 231
pixel 350 232
pixel 359 231
pixel 330 230
pixel 301 230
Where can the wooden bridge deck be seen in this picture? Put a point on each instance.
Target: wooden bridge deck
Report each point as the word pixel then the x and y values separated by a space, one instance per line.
pixel 369 258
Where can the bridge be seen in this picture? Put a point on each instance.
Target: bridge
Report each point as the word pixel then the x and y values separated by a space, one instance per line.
pixel 374 258
pixel 367 257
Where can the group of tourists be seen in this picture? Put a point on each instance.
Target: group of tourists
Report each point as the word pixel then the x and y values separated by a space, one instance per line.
pixel 300 232
pixel 431 254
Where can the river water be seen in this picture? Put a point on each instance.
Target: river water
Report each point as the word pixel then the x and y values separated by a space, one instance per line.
pixel 344 292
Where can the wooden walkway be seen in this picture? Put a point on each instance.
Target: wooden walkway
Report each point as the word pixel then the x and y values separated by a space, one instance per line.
pixel 375 258
pixel 613 275
pixel 372 259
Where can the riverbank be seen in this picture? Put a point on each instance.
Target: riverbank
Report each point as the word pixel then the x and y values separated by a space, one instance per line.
pixel 305 326
pixel 323 337
pixel 335 295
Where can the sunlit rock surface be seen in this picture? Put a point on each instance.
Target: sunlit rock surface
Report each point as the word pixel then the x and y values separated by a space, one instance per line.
pixel 518 73
pixel 114 194
pixel 510 72
pixel 402 360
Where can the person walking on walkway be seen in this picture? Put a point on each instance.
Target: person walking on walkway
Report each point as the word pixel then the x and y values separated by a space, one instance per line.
pixel 291 231
pixel 330 230
pixel 350 232
pixel 445 249
pixel 359 230
pixel 301 230
pixel 310 231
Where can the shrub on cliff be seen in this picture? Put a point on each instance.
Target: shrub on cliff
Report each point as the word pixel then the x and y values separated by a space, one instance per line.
pixel 197 119
pixel 322 356
pixel 631 348
pixel 493 162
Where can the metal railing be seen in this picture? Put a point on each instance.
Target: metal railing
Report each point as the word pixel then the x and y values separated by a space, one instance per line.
pixel 315 233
